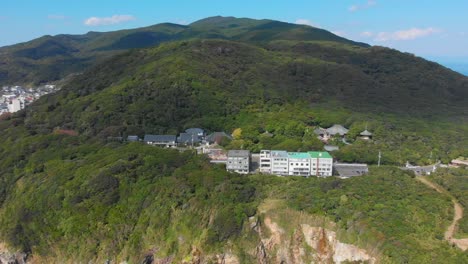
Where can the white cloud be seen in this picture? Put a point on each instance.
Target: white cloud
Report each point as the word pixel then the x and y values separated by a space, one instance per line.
pixel 56 17
pixel 302 21
pixel 408 34
pixel 366 34
pixel 103 21
pixel 357 7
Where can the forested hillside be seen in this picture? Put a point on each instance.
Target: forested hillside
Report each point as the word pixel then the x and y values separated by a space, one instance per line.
pixel 285 88
pixel 68 194
pixel 51 58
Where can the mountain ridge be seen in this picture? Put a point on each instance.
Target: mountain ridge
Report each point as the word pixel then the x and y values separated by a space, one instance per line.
pixel 37 61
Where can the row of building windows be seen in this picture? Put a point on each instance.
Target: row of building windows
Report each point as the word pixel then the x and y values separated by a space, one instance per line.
pixel 302 164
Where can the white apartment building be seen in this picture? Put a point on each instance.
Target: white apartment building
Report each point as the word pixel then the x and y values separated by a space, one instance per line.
pixel 279 162
pixel 299 164
pixel 238 161
pixel 15 105
pixel 321 163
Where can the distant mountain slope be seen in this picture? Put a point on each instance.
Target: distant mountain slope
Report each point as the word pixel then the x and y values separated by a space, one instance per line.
pixel 204 82
pixel 53 57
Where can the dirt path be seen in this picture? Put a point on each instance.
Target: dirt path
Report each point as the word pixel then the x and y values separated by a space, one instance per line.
pixel 458 214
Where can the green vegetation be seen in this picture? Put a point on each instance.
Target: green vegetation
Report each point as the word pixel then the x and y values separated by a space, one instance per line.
pixel 52 58
pixel 79 197
pixel 456 182
pixel 91 200
pixel 73 198
pixel 223 85
pixel 387 208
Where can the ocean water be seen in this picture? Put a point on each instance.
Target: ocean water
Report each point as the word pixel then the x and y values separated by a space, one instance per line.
pixel 458 67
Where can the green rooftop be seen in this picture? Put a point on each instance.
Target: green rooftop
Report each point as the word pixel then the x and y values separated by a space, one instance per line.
pixel 298 155
pixel 320 154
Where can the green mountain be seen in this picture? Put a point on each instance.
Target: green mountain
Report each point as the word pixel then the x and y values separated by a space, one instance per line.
pixel 52 58
pixel 67 194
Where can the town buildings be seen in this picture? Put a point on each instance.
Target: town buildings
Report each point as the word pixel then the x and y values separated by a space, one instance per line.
pixel 16 98
pixel 238 161
pixel 313 163
pixel 321 163
pixel 299 164
pixel 15 105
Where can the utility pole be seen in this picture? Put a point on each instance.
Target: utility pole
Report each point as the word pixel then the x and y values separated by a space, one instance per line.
pixel 380 156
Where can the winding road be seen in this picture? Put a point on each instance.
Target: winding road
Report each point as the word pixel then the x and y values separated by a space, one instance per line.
pixel 458 214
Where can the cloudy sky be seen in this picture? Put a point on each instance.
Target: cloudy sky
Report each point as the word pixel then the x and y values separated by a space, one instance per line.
pixel 436 30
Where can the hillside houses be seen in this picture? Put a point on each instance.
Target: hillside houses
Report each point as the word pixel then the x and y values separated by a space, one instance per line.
pixel 16 98
pixel 326 134
pixel 191 137
pixel 168 141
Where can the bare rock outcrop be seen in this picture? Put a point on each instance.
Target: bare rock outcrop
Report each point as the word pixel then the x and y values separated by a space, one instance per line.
pixel 307 244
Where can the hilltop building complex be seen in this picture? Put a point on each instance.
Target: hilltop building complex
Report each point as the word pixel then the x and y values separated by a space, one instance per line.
pixel 313 163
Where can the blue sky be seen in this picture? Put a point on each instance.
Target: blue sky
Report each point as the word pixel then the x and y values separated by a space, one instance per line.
pixel 432 29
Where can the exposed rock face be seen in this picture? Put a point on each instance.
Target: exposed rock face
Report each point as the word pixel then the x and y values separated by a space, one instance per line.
pixel 7 257
pixel 328 247
pixel 16 258
pixel 306 245
pixel 227 258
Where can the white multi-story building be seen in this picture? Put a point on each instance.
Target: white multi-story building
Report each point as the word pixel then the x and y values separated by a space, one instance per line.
pixel 238 161
pixel 279 162
pixel 15 105
pixel 265 161
pixel 299 164
pixel 321 163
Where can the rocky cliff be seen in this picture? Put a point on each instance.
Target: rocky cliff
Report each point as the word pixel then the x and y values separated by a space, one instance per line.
pixel 275 235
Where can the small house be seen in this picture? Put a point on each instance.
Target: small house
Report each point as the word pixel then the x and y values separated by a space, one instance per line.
pixel 200 133
pixel 133 138
pixel 217 137
pixel 168 141
pixel 188 139
pixel 337 130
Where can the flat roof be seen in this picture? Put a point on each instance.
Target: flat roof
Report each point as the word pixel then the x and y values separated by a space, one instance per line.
pixel 298 155
pixel 238 153
pixel 320 154
pixel 279 154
